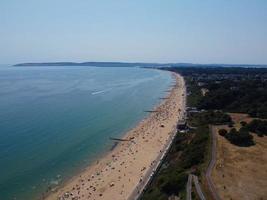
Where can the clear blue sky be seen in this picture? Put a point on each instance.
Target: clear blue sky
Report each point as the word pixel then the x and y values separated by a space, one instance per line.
pixel 198 31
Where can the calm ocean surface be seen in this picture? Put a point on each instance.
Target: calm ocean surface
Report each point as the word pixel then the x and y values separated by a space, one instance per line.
pixel 56 120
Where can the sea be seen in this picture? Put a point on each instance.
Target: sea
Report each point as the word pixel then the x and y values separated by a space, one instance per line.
pixel 55 121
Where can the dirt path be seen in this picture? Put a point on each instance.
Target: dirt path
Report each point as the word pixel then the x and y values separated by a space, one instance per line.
pixel 189 188
pixel 198 188
pixel 211 185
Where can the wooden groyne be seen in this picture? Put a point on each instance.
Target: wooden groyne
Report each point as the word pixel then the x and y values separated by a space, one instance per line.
pixel 119 139
pixel 151 111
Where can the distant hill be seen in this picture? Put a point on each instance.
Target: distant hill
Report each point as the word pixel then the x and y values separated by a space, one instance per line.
pixel 95 64
pixel 135 64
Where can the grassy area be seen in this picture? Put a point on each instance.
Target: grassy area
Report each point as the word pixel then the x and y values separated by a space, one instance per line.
pixel 240 172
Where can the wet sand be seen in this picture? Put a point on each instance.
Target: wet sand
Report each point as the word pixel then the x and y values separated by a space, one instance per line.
pixel 117 175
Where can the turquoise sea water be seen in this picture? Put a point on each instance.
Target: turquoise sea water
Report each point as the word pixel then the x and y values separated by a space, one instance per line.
pixel 56 120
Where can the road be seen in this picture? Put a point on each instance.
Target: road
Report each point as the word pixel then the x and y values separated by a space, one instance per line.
pixel 212 164
pixel 189 188
pixel 198 188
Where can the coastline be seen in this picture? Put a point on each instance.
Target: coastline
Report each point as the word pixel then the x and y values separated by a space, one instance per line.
pixel 118 172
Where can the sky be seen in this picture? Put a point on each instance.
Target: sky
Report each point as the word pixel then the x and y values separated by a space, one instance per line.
pixel 194 31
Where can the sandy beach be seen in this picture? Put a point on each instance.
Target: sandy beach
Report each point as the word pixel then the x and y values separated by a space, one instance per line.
pixel 117 175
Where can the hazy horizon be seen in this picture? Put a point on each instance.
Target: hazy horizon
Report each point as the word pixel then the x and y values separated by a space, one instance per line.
pixel 210 32
pixel 118 61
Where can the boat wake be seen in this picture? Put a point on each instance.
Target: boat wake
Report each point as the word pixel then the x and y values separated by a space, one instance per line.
pixel 98 92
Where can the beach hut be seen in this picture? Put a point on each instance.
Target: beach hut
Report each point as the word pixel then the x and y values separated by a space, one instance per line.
pixel 181 125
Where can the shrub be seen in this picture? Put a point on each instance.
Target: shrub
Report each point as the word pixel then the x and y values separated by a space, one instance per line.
pixel 230 125
pixel 258 126
pixel 174 184
pixel 194 153
pixel 212 117
pixel 240 138
pixel 243 124
pixel 222 132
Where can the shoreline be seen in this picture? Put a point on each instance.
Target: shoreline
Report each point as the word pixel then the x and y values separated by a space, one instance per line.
pixel 118 172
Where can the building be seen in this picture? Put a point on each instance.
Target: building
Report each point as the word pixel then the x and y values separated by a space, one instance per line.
pixel 181 125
